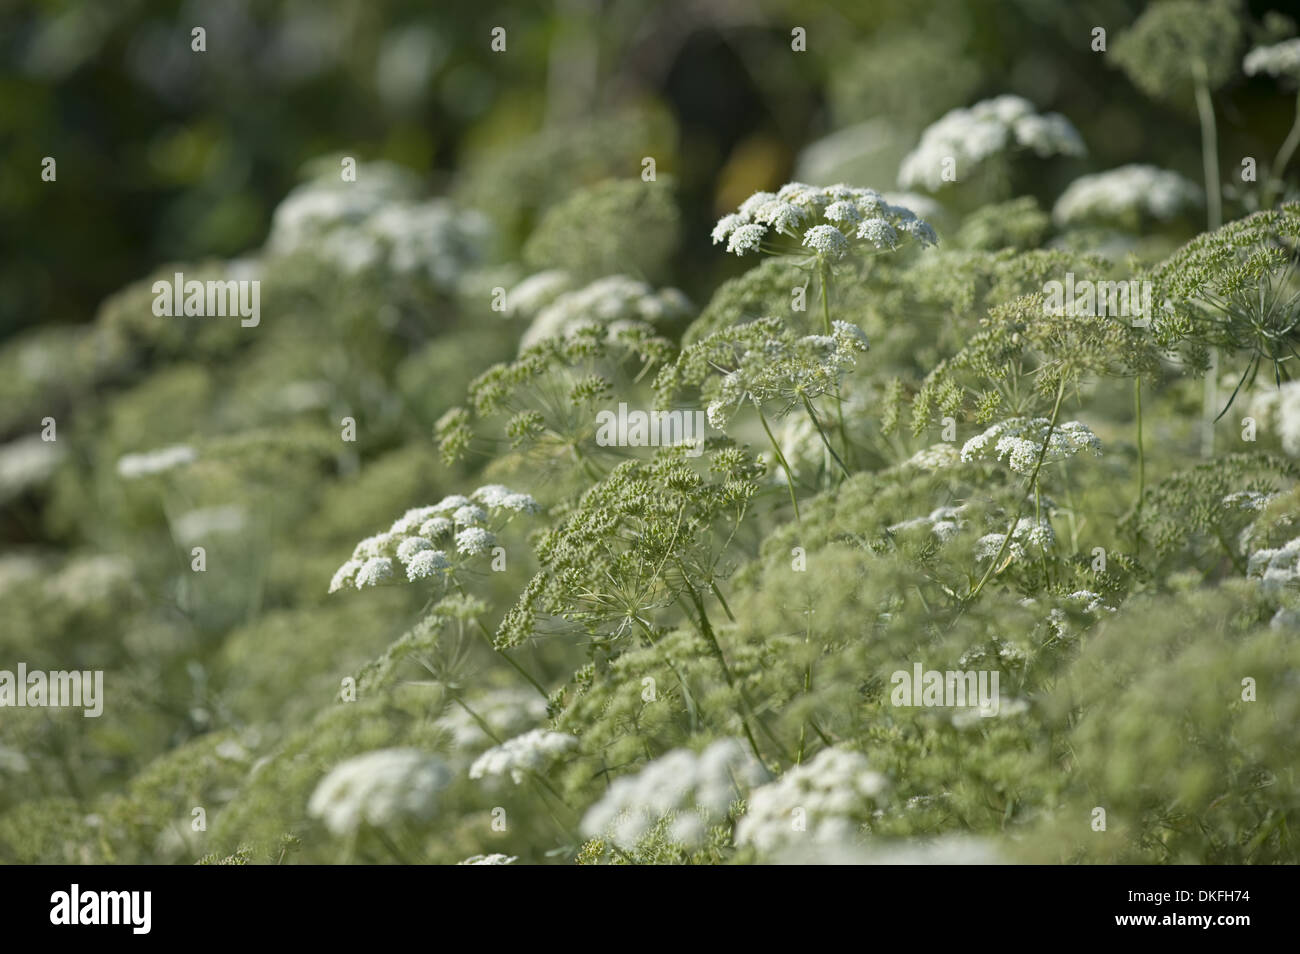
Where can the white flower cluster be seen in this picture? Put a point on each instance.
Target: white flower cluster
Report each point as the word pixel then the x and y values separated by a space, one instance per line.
pixel 821 801
pixel 1282 407
pixel 1020 441
pixel 322 205
pixel 944 523
pixel 531 752
pixel 1000 651
pixel 495 859
pixel 86 581
pixel 813 366
pixel 969 136
pixel 372 221
pixel 1088 601
pixel 379 788
pixel 27 462
pixel 1027 537
pixel 132 466
pixel 1280 59
pixel 1276 568
pixel 971 717
pixel 411 541
pixel 614 302
pixel 826 220
pixel 537 291
pixel 1248 501
pixel 197 525
pixel 1286 617
pixel 942 850
pixel 695 789
pixel 934 457
pixel 1144 190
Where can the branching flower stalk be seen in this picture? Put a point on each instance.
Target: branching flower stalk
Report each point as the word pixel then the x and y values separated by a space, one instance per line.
pixel 1033 482
pixel 812 414
pixel 705 628
pixel 824 278
pixel 785 464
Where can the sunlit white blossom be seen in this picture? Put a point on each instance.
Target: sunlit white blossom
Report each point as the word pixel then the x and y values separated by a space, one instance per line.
pixel 374 571
pixel 436 527
pixel 474 540
pixel 426 563
pixel 695 789
pixel 536 292
pixel 1132 190
pixel 469 516
pixel 377 222
pixel 533 751
pixel 1027 538
pixel 345 575
pixel 496 859
pixel 1279 59
pixel 831 794
pixel 379 789
pixel 409 547
pixel 746 238
pixel 1281 407
pixel 613 302
pixel 846 214
pixel 1276 567
pixel 1020 441
pixel 970 135
pixel 131 466
pixel 205 522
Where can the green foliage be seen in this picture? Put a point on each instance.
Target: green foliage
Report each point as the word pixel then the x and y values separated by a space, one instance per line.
pixel 664 649
pixel 619 225
pixel 1178 43
pixel 1234 289
pixel 1018 224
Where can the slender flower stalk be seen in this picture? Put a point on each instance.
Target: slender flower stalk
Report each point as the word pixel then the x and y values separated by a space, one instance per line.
pixel 785 464
pixel 1033 482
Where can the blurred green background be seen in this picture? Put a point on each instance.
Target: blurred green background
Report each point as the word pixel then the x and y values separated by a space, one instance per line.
pixel 166 154
pixel 503 164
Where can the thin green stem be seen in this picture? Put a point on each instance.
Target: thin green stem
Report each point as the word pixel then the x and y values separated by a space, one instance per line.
pixel 1033 480
pixel 1209 147
pixel 1274 184
pixel 713 585
pixel 1142 467
pixel 482 723
pixel 1214 218
pixel 502 652
pixel 807 688
pixel 692 709
pixel 824 280
pixel 1210 401
pixel 706 630
pixel 785 464
pixel 812 414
